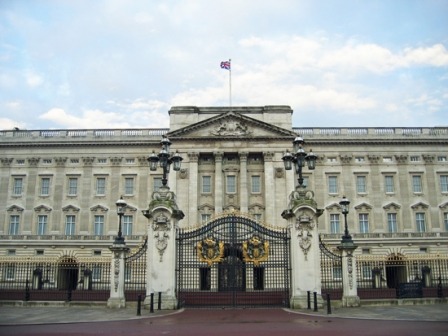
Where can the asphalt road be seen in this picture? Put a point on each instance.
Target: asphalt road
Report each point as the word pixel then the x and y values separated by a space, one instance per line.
pixel 247 322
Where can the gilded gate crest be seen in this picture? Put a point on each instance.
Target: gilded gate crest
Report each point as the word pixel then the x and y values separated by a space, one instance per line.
pixel 255 250
pixel 210 250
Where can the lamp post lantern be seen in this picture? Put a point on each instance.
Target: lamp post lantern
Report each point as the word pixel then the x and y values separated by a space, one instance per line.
pixel 346 238
pixel 299 158
pixel 164 159
pixel 121 205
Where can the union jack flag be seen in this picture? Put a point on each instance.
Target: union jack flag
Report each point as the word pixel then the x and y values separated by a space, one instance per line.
pixel 225 65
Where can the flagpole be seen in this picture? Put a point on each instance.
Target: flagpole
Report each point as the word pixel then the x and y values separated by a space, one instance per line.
pixel 230 84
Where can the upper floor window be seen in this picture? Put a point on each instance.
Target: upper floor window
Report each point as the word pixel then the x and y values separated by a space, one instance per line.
pixel 445 219
pixel 74 161
pixel 231 184
pixel 157 183
pixel 415 158
pixel 20 162
pixel 392 222
pixel 17 187
pixel 102 161
pixel 444 183
pixel 70 225
pixel 45 186
pixel 205 218
pixel 206 184
pixel 332 159
pixel 359 159
pixel 47 161
pixel 129 186
pixel 363 223
pixel 441 158
pixel 100 185
pixel 72 186
pixel 130 161
pixel 361 184
pixel 416 183
pixel 334 223
pixel 255 184
pixel 389 186
pixel 98 225
pixel 420 221
pixel 14 224
pixel 387 158
pixel 127 225
pixel 42 223
pixel 333 184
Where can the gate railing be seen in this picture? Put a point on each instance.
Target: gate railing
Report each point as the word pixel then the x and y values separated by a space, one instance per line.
pixel 135 272
pixel 331 271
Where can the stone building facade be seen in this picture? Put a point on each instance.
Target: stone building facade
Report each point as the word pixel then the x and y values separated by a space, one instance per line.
pixel 58 188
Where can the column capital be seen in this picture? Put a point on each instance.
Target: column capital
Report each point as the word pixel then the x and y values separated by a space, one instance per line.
pixel 218 156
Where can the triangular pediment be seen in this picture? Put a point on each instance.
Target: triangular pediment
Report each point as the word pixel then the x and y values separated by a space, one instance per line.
pixel 99 208
pixel 42 208
pixel 391 205
pixel 231 125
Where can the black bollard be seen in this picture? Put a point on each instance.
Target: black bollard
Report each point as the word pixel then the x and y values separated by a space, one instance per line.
pixel 315 301
pixel 328 304
pixel 139 305
pixel 159 302
pixel 309 299
pixel 151 304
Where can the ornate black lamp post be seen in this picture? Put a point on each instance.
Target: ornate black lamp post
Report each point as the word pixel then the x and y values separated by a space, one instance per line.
pixel 165 159
pixel 121 205
pixel 299 158
pixel 346 238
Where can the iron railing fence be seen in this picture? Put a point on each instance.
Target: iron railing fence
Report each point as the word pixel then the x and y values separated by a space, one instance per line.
pixel 331 271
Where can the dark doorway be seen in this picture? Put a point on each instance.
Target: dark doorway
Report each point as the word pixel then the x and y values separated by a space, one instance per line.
pixel 68 270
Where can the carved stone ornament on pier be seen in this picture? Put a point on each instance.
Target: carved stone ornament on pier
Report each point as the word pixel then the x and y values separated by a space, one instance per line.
pixel 305 227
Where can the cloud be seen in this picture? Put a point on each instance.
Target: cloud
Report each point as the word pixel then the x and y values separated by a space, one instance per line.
pixel 436 55
pixel 9 124
pixel 33 79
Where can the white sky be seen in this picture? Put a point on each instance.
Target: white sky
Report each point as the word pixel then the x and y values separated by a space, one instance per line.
pixel 124 63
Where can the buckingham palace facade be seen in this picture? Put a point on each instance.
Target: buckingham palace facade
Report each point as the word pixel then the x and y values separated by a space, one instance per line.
pixel 59 187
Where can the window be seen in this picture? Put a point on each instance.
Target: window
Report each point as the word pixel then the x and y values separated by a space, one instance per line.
pixel 74 161
pixel 205 218
pixel 361 184
pixel 14 224
pixel 18 186
pixel 416 183
pixel 97 253
pixel 332 159
pixel 441 158
pixel 387 159
pixel 365 251
pixel 337 272
pixel 363 223
pixel 306 180
pixel 40 252
pixel 70 225
pixel 102 161
pixel 231 184
pixel 11 252
pixel 96 273
pixel 100 185
pixel 72 186
pixel 45 186
pixel 415 158
pixel 10 272
pixel 359 159
pixel 333 184
pixel 130 161
pixel 389 184
pixel 98 225
pixel 42 221
pixel 445 219
pixel 157 183
pixel 127 225
pixel 257 217
pixel 129 186
pixel 420 221
pixel 334 223
pixel 255 184
pixel 47 161
pixel 20 162
pixel 392 222
pixel 206 184
pixel 366 272
pixel 444 183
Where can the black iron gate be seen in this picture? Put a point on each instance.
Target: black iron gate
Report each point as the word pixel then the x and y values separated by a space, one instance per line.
pixel 233 261
pixel 331 271
pixel 135 273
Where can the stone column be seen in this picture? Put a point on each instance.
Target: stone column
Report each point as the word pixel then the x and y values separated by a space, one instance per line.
pixel 244 192
pixel 116 298
pixel 218 182
pixel 163 217
pixel 302 215
pixel 269 193
pixel 193 188
pixel 350 296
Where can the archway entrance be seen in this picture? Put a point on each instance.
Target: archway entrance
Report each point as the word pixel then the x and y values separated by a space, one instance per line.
pixel 68 270
pixel 395 270
pixel 233 261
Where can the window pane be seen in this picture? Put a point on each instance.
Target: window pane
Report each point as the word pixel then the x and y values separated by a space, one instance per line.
pixel 333 184
pixel 45 186
pixel 157 183
pixel 72 186
pixel 129 185
pixel 392 222
pixel 420 221
pixel 101 186
pixel 334 223
pixel 256 188
pixel 206 184
pixel 231 184
pixel 42 224
pixel 445 219
pixel 363 223
pixel 444 183
pixel 18 184
pixel 417 183
pixel 70 225
pixel 14 224
pixel 361 184
pixel 127 225
pixel 98 225
pixel 389 184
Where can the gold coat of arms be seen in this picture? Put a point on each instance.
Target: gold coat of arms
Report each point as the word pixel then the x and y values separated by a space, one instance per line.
pixel 255 250
pixel 210 250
